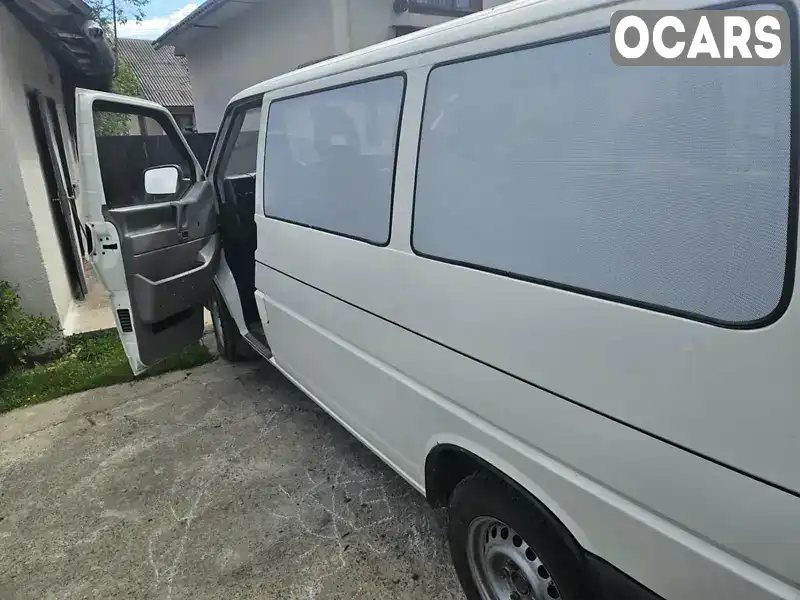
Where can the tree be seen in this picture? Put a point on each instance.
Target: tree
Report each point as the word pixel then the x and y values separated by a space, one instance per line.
pixel 125 82
pixel 103 12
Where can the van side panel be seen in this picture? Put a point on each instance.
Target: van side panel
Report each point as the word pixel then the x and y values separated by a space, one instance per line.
pixel 670 376
pixel 406 393
pixel 666 445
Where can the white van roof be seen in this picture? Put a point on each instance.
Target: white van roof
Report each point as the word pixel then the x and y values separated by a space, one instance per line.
pixel 500 19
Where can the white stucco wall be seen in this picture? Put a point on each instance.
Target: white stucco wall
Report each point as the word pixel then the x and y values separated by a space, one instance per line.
pixel 30 254
pixel 275 37
pixel 267 40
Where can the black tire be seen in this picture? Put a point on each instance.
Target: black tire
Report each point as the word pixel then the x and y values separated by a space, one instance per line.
pixel 483 495
pixel 229 340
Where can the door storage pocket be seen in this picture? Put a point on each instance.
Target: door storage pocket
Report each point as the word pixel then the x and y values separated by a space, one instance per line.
pixel 160 298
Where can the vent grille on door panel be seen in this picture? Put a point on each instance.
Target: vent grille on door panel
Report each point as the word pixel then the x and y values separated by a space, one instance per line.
pixel 125 320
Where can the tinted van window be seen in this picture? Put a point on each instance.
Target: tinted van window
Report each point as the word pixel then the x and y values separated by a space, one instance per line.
pixel 329 159
pixel 664 186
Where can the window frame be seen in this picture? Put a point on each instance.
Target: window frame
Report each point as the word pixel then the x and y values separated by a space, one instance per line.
pixel 171 132
pixel 400 74
pixel 224 142
pixel 794 187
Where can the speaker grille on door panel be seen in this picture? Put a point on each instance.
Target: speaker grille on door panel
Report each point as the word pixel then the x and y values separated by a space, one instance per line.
pixel 125 320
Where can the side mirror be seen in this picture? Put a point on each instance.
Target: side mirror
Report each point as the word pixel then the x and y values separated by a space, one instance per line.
pixel 162 181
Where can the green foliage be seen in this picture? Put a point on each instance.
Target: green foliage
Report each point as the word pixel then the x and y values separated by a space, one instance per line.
pixel 103 13
pixel 126 83
pixel 89 361
pixel 20 333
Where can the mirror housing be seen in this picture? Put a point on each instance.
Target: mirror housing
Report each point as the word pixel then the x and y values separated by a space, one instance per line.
pixel 162 180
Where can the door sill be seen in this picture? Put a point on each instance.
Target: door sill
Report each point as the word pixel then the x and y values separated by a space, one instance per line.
pixel 256 345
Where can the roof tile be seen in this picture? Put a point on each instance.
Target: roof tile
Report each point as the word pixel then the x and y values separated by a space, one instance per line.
pixel 163 77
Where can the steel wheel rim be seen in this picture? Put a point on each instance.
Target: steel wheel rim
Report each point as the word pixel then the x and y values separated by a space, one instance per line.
pixel 504 566
pixel 217 321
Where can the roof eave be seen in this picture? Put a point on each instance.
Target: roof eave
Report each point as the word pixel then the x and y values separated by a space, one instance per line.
pixel 70 36
pixel 169 36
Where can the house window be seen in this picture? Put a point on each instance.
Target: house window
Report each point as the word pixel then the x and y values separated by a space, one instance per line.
pixel 444 7
pixel 185 122
pixel 401 30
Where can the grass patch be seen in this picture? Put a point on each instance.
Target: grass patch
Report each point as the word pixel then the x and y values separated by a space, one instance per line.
pixel 90 360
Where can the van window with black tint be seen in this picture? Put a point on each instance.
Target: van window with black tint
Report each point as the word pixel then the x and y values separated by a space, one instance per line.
pixel 329 159
pixel 666 187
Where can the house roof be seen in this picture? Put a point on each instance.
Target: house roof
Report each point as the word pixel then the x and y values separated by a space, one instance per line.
pixel 65 28
pixel 206 8
pixel 211 14
pixel 163 77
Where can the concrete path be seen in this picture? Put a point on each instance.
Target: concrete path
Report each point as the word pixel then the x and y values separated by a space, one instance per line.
pixel 222 482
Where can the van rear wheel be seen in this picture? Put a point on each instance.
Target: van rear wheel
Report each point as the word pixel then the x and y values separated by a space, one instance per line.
pixel 503 548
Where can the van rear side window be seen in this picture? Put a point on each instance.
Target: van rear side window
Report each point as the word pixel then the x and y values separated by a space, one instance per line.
pixel 330 156
pixel 664 187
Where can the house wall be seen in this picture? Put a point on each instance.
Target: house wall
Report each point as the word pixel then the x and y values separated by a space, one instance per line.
pixel 275 37
pixel 267 40
pixel 370 22
pixel 30 254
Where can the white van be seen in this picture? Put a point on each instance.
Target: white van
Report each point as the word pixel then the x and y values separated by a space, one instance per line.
pixel 554 294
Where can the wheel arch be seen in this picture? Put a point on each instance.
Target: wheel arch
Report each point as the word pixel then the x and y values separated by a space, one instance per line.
pixel 448 463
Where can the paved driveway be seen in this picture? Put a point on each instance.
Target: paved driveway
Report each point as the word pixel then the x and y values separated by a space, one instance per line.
pixel 223 482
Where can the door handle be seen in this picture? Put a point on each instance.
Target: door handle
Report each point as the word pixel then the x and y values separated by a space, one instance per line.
pixel 180 212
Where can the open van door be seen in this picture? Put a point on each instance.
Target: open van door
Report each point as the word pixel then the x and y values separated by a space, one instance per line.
pixel 150 219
